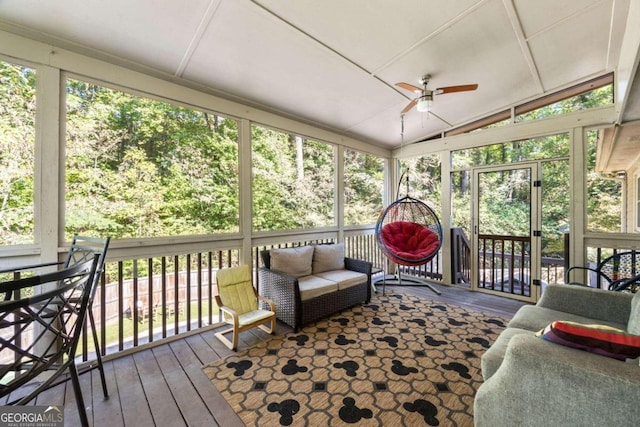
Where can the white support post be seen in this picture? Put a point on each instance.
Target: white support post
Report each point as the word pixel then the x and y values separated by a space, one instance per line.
pixel 338 199
pixel 49 163
pixel 577 202
pixel 245 191
pixel 445 216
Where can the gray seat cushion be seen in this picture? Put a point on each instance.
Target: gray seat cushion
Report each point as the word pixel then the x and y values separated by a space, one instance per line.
pixel 314 286
pixel 492 358
pixel 344 278
pixel 534 318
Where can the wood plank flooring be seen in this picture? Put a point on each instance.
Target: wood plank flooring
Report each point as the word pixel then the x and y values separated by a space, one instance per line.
pixel 165 385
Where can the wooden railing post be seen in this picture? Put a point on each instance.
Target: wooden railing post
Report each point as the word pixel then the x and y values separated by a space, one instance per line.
pixel 460 256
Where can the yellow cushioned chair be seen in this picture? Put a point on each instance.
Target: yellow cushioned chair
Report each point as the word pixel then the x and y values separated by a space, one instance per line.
pixel 238 301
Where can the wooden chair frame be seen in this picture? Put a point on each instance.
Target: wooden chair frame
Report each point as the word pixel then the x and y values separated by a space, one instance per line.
pixel 236 327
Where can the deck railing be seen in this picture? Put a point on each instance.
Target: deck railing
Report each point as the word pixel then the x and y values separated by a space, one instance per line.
pixel 179 297
pixel 145 300
pixel 140 301
pixel 362 244
pixel 460 256
pixel 504 265
pixel 595 255
pixel 431 270
pixel 149 300
pixel 553 270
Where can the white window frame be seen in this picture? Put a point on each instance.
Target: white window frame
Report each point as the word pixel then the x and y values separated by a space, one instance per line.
pixel 637 201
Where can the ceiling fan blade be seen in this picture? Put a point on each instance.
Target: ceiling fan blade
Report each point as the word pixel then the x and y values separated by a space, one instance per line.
pixel 409 87
pixel 409 106
pixel 450 89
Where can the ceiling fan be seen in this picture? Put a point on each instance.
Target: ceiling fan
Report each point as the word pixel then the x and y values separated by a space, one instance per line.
pixel 425 96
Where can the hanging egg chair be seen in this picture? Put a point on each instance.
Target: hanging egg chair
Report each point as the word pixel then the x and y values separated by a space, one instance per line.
pixel 409 233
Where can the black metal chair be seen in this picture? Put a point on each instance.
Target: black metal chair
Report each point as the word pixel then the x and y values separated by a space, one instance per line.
pixel 41 319
pixel 618 272
pixel 82 249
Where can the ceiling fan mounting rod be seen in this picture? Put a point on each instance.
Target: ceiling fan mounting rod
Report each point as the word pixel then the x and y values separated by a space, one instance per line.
pixel 425 80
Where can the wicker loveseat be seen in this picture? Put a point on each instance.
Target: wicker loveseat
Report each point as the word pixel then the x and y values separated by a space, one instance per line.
pixel 308 283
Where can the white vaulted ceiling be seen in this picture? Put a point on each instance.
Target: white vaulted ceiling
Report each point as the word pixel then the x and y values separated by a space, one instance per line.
pixel 334 63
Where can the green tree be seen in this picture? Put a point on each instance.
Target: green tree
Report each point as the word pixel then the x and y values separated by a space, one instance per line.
pixel 363 187
pixel 138 167
pixel 604 195
pixel 17 141
pixel 599 96
pixel 293 181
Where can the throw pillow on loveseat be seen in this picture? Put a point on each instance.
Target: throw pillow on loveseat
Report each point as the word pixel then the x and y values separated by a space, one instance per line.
pixel 530 381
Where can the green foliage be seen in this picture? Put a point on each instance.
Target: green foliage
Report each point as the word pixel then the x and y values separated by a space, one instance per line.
pixel 363 187
pixel 137 167
pixel 512 152
pixel 504 202
pixel 555 207
pixel 293 181
pixel 461 200
pixel 423 180
pixel 505 206
pixel 17 141
pixel 597 97
pixel 507 213
pixel 604 195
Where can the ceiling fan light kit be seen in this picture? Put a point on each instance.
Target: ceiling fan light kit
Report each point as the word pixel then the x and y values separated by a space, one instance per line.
pixel 424 101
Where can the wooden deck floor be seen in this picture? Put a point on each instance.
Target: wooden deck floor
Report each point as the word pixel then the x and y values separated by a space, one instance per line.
pixel 165 385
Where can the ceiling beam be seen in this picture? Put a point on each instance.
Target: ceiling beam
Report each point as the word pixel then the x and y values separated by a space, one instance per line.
pixel 524 45
pixel 594 117
pixel 567 93
pixel 327 47
pixel 429 36
pixel 526 107
pixel 212 8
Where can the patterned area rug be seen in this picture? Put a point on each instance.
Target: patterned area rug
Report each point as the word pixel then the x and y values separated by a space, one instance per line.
pixel 399 361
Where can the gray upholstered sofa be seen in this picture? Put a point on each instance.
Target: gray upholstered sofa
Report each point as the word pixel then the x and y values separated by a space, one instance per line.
pixel 308 283
pixel 532 382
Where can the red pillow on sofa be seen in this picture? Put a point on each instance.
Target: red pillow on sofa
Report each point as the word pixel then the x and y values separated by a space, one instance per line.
pixel 598 339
